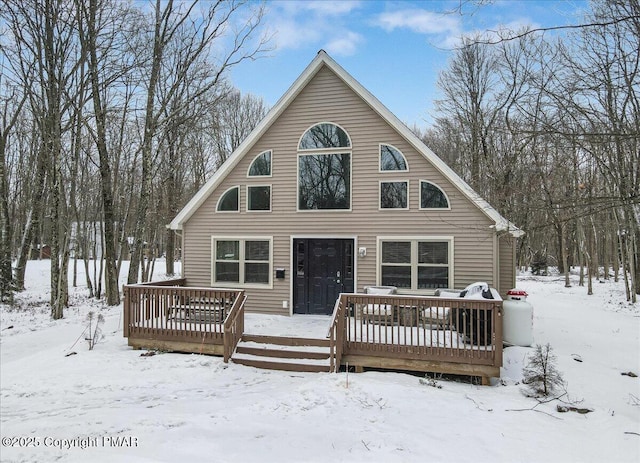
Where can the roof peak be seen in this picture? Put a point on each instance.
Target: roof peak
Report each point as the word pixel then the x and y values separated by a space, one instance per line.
pixel 323 59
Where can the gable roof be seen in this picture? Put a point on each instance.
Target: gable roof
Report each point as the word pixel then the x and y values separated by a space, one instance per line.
pixel 323 59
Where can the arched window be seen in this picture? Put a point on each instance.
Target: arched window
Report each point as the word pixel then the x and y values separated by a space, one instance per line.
pixel 261 165
pixel 230 200
pixel 324 135
pixel 324 168
pixel 432 197
pixel 392 159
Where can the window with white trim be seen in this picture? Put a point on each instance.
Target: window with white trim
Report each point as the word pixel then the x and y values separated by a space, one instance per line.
pixel 392 159
pixel 324 135
pixel 244 261
pixel 324 181
pixel 324 168
pixel 259 198
pixel 230 200
pixel 394 195
pixel 432 196
pixel 261 165
pixel 416 264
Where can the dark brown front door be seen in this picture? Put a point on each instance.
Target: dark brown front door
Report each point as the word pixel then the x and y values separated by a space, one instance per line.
pixel 323 270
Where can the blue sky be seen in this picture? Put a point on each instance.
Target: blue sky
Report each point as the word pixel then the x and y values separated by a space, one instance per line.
pixel 394 48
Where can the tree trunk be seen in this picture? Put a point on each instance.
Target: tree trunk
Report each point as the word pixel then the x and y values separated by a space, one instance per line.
pixel 563 252
pixel 112 289
pixel 6 276
pixel 147 142
pixel 7 284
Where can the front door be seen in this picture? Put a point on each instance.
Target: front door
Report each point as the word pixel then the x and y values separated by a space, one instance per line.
pixel 324 269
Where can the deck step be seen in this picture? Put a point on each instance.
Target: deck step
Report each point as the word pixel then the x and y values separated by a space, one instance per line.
pixel 285 340
pixel 281 366
pixel 283 353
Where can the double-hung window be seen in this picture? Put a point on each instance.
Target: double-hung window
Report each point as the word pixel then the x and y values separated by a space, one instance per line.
pixel 242 262
pixel 416 264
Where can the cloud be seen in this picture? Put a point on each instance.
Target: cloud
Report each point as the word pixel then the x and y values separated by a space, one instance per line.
pixel 331 7
pixel 346 45
pixel 324 24
pixel 419 21
pixel 289 34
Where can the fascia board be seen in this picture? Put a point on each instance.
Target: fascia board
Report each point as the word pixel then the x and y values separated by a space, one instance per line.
pixel 501 224
pixel 200 197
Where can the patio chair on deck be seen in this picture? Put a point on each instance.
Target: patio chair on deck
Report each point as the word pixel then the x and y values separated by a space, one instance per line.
pixel 435 318
pixel 438 317
pixel 378 312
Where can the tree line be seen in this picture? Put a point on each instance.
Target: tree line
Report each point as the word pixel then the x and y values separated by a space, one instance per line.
pixel 112 115
pixel 546 127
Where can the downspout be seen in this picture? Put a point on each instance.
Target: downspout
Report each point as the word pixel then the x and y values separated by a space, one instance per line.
pixel 496 262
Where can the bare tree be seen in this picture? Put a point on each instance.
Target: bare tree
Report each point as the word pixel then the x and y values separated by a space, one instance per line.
pixel 196 37
pixel 43 32
pixel 554 131
pixel 114 136
pixel 467 86
pixel 234 118
pixel 105 22
pixel 12 101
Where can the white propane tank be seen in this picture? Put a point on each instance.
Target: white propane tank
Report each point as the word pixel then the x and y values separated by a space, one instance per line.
pixel 517 321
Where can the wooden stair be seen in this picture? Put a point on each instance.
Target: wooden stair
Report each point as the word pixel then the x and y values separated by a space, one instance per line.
pixel 283 353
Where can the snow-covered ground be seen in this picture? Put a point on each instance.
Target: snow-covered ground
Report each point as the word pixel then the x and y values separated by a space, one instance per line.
pixel 123 406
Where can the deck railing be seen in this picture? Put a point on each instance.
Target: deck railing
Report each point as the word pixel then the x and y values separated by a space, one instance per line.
pixel 336 335
pixel 233 327
pixel 366 330
pixel 168 311
pixel 454 330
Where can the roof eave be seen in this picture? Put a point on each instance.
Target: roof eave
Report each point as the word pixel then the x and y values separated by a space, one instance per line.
pixel 200 197
pixel 438 163
pixel 322 58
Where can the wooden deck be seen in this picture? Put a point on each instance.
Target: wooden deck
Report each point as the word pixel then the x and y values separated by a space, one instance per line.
pixel 415 333
pixel 169 316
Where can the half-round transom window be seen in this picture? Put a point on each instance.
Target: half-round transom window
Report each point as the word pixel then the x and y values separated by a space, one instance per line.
pixel 324 135
pixel 391 158
pixel 432 197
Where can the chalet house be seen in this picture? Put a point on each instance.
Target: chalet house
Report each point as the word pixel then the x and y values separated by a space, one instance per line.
pixel 332 193
pixel 333 206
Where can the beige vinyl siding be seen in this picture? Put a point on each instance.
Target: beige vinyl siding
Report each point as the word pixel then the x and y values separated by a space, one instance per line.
pixel 507 253
pixel 327 99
